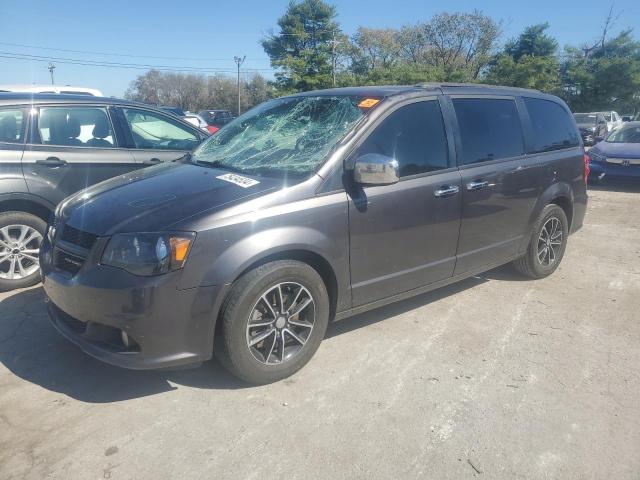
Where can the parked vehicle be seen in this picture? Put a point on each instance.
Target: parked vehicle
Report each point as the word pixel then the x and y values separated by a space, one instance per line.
pixel 196 120
pixel 618 157
pixel 59 89
pixel 593 127
pixel 312 208
pixel 54 145
pixel 192 118
pixel 629 117
pixel 216 119
pixel 613 120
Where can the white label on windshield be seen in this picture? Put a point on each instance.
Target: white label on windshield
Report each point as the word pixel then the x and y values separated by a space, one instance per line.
pixel 239 180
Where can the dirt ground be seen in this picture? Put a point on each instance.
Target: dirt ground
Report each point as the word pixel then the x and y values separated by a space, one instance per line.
pixel 495 377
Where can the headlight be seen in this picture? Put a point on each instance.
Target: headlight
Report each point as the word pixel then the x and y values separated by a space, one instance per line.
pixel 148 254
pixel 596 157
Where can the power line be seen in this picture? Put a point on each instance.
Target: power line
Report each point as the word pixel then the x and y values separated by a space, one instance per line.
pixel 113 54
pixel 138 66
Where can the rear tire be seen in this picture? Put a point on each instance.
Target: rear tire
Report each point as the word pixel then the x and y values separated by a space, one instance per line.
pixel 21 234
pixel 547 244
pixel 272 321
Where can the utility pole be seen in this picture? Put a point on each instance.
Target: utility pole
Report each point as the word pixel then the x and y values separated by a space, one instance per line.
pixel 333 57
pixel 239 61
pixel 51 68
pixel 334 60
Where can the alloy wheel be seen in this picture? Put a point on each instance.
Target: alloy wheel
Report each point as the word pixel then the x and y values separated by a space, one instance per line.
pixel 550 242
pixel 280 323
pixel 19 251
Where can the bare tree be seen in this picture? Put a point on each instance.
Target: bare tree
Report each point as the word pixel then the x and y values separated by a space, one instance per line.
pixel 607 25
pixel 198 92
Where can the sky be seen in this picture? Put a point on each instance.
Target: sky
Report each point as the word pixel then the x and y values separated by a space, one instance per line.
pixel 207 35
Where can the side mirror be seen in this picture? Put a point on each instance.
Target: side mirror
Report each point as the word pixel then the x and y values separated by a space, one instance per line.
pixel 376 169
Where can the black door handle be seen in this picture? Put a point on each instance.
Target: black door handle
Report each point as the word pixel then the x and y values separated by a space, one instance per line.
pixel 51 162
pixel 152 161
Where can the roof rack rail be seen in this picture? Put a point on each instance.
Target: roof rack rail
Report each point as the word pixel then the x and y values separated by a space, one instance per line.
pixel 434 85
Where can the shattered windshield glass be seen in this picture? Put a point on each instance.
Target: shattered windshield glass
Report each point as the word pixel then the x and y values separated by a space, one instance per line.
pixel 284 136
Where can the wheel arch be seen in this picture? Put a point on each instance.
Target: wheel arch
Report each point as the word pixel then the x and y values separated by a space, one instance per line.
pixel 559 194
pixel 24 202
pixel 309 257
pixel 305 255
pixel 323 253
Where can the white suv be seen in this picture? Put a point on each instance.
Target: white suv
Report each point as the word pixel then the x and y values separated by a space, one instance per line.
pixel 67 89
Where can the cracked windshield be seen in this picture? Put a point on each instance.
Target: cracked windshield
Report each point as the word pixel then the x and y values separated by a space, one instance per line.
pixel 287 136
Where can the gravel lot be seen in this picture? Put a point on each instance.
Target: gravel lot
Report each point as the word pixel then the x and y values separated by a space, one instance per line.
pixel 494 377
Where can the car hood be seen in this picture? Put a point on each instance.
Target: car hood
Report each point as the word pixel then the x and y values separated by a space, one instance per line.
pixel 586 126
pixel 154 199
pixel 618 150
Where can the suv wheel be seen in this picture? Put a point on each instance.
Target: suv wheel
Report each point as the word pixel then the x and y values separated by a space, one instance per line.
pixel 273 321
pixel 20 237
pixel 547 245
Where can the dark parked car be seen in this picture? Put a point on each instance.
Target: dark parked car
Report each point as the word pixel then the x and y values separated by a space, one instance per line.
pixel 618 157
pixel 54 145
pixel 593 127
pixel 312 208
pixel 216 118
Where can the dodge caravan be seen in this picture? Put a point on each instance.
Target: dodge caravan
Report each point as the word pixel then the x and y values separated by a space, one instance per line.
pixel 309 209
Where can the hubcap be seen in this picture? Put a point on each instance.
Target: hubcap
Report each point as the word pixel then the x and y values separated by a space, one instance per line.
pixel 549 242
pixel 19 251
pixel 280 323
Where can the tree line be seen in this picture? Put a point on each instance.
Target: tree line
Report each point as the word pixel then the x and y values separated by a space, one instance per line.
pixel 310 51
pixel 193 92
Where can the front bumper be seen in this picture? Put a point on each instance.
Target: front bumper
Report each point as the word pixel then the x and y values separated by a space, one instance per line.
pixel 164 326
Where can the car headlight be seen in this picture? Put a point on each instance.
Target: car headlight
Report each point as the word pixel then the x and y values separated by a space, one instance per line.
pixel 148 254
pixel 596 157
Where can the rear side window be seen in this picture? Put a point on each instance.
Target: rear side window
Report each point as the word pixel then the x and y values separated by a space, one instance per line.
pixel 490 129
pixel 552 126
pixel 414 135
pixel 76 127
pixel 11 126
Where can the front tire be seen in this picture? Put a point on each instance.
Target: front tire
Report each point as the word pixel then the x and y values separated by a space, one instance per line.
pixel 273 321
pixel 21 234
pixel 547 244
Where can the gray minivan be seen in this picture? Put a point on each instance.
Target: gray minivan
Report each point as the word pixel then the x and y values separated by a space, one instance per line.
pixel 54 145
pixel 312 208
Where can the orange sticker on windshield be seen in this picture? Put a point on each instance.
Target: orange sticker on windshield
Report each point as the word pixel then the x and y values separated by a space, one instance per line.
pixel 368 102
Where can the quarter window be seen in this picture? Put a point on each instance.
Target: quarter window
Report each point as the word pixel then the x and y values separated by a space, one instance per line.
pixel 490 129
pixel 158 132
pixel 11 126
pixel 414 135
pixel 76 127
pixel 552 126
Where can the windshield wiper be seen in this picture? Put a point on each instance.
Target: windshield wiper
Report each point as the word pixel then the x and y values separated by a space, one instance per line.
pixel 186 158
pixel 276 172
pixel 219 164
